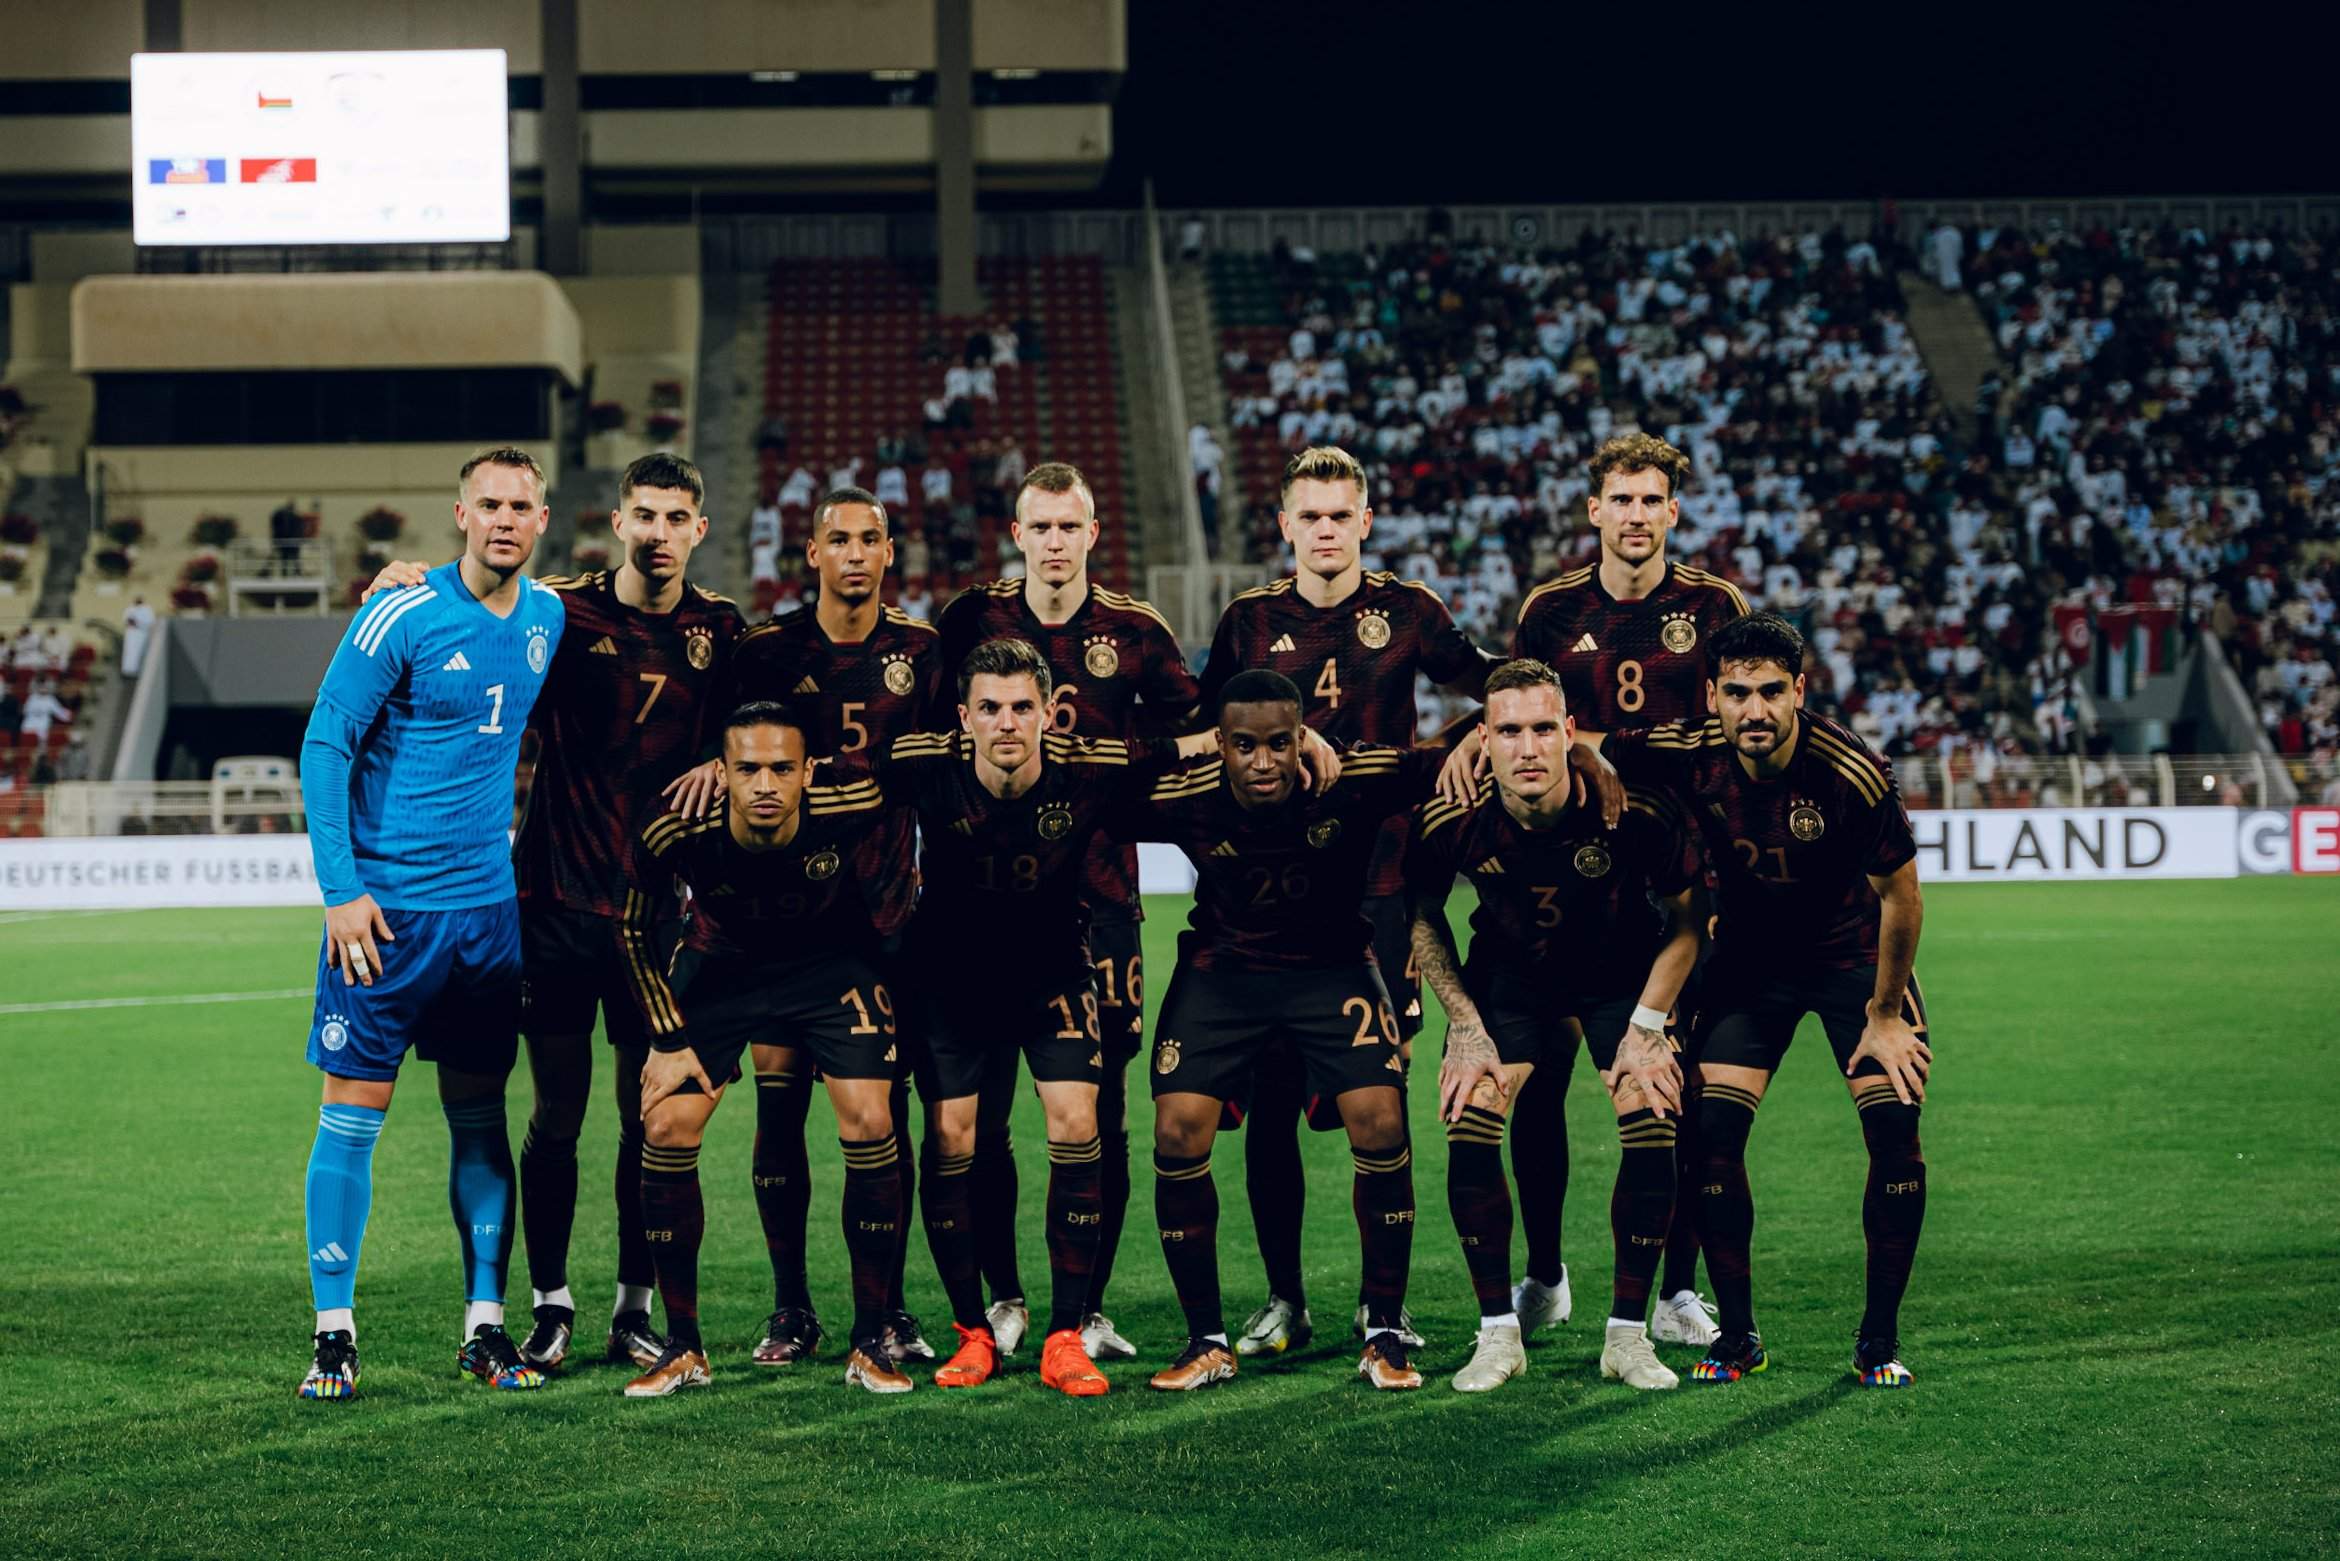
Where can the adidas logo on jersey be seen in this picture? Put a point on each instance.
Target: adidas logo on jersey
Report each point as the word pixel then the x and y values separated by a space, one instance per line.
pixel 1585 644
pixel 807 685
pixel 461 663
pixel 1224 848
pixel 1283 643
pixel 1491 865
pixel 605 646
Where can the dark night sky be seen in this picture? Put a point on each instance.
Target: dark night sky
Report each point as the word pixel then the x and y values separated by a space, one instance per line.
pixel 1293 102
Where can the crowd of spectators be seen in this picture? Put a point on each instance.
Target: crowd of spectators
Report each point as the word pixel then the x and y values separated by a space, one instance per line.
pixel 42 677
pixel 1828 481
pixel 2167 426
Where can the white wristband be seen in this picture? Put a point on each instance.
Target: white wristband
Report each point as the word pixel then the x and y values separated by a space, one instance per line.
pixel 1649 1018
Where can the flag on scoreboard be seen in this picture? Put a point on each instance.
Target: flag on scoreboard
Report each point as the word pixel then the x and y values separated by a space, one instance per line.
pixel 278 170
pixel 268 102
pixel 186 170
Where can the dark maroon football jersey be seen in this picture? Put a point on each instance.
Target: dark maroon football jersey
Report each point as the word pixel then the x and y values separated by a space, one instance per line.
pixel 1282 888
pixel 1354 664
pixel 1119 673
pixel 1792 857
pixel 1568 909
pixel 1636 663
pixel 628 706
pixel 859 694
pixel 813 899
pixel 1003 902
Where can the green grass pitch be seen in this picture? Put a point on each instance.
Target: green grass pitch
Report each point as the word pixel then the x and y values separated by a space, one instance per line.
pixel 2121 1320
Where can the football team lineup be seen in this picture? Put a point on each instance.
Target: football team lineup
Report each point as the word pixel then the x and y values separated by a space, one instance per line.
pixel 1669 890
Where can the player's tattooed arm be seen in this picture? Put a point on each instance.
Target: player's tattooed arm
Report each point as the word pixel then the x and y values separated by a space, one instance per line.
pixel 1470 1051
pixel 1887 1034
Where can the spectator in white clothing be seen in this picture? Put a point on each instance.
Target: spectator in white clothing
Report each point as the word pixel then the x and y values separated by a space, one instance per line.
pixel 137 629
pixel 764 525
pixel 797 491
pixel 935 483
pixel 41 710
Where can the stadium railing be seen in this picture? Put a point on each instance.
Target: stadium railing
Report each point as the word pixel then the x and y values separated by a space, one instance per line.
pixel 273 576
pixel 2105 780
pixel 99 808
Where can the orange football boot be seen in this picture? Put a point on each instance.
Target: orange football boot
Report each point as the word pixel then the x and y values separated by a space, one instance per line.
pixel 976 1359
pixel 1066 1367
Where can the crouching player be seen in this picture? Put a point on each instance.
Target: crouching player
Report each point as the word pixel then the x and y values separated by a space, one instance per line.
pixel 1279 951
pixel 1575 920
pixel 782 952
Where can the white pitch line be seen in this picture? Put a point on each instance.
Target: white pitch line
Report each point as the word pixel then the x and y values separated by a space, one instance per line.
pixel 18 918
pixel 155 1002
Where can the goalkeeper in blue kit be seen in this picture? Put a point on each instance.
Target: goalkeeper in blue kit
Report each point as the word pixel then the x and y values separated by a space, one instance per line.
pixel 407 774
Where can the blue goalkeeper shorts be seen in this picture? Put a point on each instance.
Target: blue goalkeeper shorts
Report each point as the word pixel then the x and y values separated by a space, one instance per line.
pixel 449 988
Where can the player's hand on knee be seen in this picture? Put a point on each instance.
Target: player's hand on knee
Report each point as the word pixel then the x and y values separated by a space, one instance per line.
pixel 665 1072
pixel 1902 1052
pixel 1469 1062
pixel 1320 759
pixel 352 931
pixel 396 575
pixel 693 792
pixel 1645 1061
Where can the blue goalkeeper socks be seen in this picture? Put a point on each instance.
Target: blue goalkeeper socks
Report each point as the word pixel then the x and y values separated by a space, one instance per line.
pixel 340 1192
pixel 480 1190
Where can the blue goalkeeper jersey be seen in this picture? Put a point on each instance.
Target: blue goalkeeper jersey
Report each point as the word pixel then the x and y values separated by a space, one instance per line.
pixel 408 764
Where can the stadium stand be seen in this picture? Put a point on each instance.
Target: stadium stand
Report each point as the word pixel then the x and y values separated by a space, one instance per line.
pixel 1830 482
pixel 865 381
pixel 2168 430
pixel 46 673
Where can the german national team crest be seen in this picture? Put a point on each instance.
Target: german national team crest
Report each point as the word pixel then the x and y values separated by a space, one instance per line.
pixel 1373 629
pixel 1805 822
pixel 898 675
pixel 1055 821
pixel 1102 658
pixel 1165 1055
pixel 539 648
pixel 1324 832
pixel 699 648
pixel 1592 861
pixel 1678 633
pixel 335 1035
pixel 821 865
